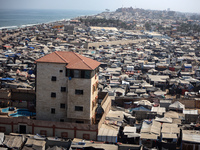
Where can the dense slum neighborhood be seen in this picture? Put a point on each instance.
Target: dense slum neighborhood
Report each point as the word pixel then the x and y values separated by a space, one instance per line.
pixel 67 85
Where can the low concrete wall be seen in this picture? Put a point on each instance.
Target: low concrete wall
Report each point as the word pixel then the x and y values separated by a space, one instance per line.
pixel 189 103
pixel 71 130
pixel 197 104
pixel 23 94
pixel 5 94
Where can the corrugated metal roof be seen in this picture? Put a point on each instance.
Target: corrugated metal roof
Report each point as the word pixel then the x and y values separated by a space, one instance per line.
pixel 191 136
pixel 192 112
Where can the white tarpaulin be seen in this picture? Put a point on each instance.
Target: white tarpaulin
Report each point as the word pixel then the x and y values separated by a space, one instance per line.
pixel 177 105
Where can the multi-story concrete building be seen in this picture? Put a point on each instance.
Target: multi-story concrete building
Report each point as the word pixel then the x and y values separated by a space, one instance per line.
pixel 66 88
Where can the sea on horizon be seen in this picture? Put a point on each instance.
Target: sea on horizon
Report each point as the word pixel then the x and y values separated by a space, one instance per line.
pixel 21 18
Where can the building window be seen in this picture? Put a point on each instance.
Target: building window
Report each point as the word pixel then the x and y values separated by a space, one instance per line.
pixel 67 73
pixel 62 105
pixel 86 136
pixel 53 78
pixel 64 134
pixel 43 132
pixel 76 73
pixel 79 121
pixel 61 120
pixel 71 73
pixel 87 74
pixel 79 92
pixel 63 89
pixel 61 70
pixel 53 94
pixel 53 111
pixel 78 108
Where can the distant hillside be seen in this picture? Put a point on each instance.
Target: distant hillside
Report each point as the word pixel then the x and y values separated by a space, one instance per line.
pixel 129 14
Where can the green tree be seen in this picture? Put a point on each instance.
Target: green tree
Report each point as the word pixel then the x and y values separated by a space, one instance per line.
pixel 147 26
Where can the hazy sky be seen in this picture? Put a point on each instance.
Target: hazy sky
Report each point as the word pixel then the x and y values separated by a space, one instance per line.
pixel 177 5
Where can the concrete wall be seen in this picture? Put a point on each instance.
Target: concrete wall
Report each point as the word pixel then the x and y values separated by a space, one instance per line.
pixel 8 128
pixel 49 131
pixel 20 97
pixel 52 129
pixel 197 104
pixel 5 94
pixel 189 103
pixel 94 95
pixel 23 95
pixel 70 133
pixel 84 100
pixel 44 87
pixel 19 104
pixel 86 135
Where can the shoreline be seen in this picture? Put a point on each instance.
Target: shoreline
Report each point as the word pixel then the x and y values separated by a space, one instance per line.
pixel 29 25
pixel 72 15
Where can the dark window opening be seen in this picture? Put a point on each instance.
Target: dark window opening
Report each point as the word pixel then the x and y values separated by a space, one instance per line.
pixel 64 134
pixel 61 70
pixel 79 121
pixel 62 105
pixel 87 74
pixel 78 108
pixel 43 132
pixel 53 94
pixel 63 89
pixel 53 78
pixel 86 136
pixel 76 73
pixel 61 120
pixel 82 73
pixel 79 92
pixel 53 111
pixel 72 73
pixel 22 129
pixel 67 73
